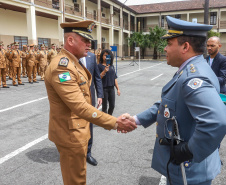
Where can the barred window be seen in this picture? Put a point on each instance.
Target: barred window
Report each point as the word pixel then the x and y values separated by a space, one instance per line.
pixel 213 18
pixel 162 21
pixel 22 41
pixel 45 41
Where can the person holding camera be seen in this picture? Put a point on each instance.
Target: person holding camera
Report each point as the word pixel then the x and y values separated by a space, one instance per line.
pixel 109 80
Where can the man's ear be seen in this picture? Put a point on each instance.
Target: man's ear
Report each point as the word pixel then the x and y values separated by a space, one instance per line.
pixel 186 47
pixel 70 40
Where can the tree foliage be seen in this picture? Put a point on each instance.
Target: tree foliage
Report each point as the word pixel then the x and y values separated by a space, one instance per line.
pixel 211 33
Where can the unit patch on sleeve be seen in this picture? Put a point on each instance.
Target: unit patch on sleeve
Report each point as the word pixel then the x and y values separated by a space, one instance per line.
pixel 63 62
pixel 195 83
pixel 64 77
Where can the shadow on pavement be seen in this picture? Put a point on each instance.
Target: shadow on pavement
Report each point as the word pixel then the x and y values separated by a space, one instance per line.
pixel 44 155
pixel 148 180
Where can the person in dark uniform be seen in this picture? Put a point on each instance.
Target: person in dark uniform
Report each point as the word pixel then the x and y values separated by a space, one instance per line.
pixel 217 61
pixel 90 63
pixel 191 98
pixel 109 80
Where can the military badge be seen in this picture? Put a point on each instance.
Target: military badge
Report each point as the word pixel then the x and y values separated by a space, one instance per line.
pixel 195 83
pixel 64 77
pixel 166 113
pixel 187 164
pixel 63 62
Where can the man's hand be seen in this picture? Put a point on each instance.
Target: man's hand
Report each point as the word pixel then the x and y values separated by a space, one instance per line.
pixel 181 153
pixel 126 123
pixel 99 102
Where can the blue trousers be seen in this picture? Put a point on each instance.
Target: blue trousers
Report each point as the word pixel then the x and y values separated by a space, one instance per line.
pixel 203 183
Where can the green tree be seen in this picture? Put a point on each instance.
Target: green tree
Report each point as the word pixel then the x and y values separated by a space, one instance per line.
pixel 140 39
pixel 211 33
pixel 155 40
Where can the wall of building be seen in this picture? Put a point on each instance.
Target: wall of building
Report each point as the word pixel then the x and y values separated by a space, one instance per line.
pixel 13 23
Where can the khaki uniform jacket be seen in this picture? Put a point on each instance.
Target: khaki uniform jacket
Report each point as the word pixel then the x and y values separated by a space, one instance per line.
pixel 51 54
pixel 23 56
pixel 30 58
pixel 70 102
pixel 2 59
pixel 15 57
pixel 37 55
pixel 43 58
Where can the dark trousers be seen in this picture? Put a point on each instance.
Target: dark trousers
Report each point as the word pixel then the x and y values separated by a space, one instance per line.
pixel 109 96
pixel 90 143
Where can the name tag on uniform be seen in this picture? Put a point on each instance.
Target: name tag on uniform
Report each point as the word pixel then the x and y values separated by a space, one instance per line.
pixel 83 83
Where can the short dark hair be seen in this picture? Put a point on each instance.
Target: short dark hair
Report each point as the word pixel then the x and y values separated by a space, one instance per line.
pixel 109 53
pixel 197 43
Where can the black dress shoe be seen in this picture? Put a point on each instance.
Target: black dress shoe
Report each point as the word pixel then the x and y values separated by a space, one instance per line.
pixel 31 82
pixel 21 84
pixel 91 160
pixel 5 86
pixel 35 82
pixel 15 85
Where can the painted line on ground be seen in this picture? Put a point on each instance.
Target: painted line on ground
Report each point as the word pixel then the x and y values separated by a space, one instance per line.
pixel 141 69
pixel 18 151
pixel 19 105
pixel 156 77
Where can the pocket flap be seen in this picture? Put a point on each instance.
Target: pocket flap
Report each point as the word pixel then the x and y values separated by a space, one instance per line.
pixel 77 123
pixel 169 103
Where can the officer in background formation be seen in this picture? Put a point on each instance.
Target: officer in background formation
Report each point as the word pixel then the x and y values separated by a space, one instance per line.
pixel 217 61
pixel 186 99
pixel 31 57
pixel 15 56
pixel 52 53
pixel 24 61
pixel 2 67
pixel 37 65
pixel 43 61
pixel 7 60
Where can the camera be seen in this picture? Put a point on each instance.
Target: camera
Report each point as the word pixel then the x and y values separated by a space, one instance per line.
pixel 108 59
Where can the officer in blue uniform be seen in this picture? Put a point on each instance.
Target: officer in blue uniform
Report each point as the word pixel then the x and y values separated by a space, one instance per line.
pixel 192 97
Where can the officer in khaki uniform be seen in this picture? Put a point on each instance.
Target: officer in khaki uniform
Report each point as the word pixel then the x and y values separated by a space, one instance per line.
pixel 24 60
pixel 37 59
pixel 8 53
pixel 15 56
pixel 31 65
pixel 7 60
pixel 43 61
pixel 68 89
pixel 52 53
pixel 2 67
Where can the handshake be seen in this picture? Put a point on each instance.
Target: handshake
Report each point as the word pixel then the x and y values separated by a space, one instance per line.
pixel 125 123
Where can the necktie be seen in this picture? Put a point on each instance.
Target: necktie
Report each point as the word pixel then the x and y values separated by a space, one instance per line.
pixel 80 63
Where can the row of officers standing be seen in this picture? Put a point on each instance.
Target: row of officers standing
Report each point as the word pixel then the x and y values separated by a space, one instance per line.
pixel 29 62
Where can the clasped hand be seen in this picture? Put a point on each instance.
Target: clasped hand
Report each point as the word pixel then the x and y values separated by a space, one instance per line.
pixel 126 123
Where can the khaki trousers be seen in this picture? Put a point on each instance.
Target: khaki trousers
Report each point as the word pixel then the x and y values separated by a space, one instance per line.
pixel 16 75
pixel 42 71
pixel 32 71
pixel 73 164
pixel 3 77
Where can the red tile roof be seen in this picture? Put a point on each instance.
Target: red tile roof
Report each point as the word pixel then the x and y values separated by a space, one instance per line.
pixel 177 6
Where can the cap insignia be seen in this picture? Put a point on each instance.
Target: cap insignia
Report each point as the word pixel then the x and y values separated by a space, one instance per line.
pixel 90 27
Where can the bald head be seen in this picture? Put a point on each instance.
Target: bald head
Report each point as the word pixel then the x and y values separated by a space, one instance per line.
pixel 213 46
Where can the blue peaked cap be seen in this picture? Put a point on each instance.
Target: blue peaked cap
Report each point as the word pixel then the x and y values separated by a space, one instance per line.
pixel 177 27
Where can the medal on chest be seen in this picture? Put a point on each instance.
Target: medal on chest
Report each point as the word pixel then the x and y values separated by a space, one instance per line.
pixel 166 113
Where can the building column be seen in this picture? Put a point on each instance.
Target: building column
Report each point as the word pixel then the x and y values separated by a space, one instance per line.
pixel 31 25
pixel 99 10
pixel 83 9
pixel 129 47
pixel 121 18
pixel 120 43
pixel 129 16
pixel 218 20
pixel 99 36
pixel 188 17
pixel 135 24
pixel 111 30
pixel 60 30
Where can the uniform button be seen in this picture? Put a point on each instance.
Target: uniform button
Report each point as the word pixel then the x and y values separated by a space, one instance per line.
pixel 158 111
pixel 157 123
pixel 78 124
pixel 83 90
pixel 165 105
pixel 157 135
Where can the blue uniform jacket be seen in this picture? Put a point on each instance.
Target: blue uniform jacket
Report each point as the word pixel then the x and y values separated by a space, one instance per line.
pixel 192 96
pixel 92 66
pixel 219 68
